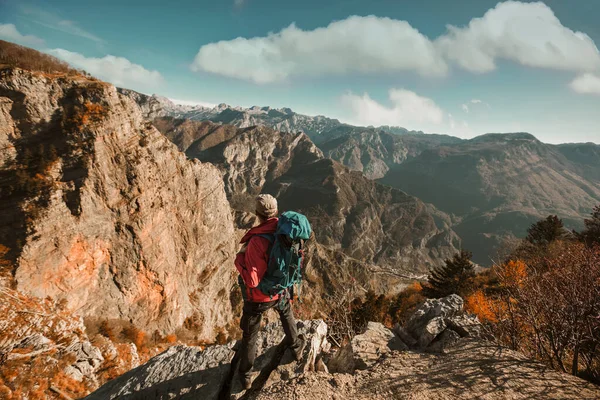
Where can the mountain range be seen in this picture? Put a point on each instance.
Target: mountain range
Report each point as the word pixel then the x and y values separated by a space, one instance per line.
pixel 492 187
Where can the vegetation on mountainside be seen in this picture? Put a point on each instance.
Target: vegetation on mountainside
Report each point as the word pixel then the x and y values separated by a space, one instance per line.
pixel 14 55
pixel 455 276
pixel 545 301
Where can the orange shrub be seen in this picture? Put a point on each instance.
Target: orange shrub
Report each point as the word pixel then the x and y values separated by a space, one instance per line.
pixel 478 304
pixel 172 338
pixel 514 273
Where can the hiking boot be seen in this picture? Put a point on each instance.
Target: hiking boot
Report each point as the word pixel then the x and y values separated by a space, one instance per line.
pixel 246 381
pixel 298 350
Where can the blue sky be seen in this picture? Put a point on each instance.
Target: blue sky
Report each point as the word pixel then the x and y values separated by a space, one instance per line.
pixel 461 67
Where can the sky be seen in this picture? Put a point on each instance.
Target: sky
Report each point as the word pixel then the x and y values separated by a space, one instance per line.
pixel 461 67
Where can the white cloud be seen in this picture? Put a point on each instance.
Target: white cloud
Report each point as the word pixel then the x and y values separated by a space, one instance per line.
pixel 356 44
pixel 527 33
pixel 55 22
pixel 193 103
pixel 9 32
pixel 408 109
pixel 473 104
pixel 117 70
pixel 586 84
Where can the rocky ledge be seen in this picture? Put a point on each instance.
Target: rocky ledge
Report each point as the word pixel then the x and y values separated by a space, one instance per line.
pixel 440 353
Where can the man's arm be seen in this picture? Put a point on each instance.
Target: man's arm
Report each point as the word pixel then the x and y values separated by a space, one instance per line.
pixel 255 261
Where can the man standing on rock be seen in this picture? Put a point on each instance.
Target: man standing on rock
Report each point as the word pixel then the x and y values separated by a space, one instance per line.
pixel 252 262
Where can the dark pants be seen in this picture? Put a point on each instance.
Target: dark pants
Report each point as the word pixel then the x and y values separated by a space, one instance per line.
pixel 250 324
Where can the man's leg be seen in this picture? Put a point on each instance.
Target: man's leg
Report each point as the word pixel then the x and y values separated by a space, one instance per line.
pixel 288 322
pixel 250 325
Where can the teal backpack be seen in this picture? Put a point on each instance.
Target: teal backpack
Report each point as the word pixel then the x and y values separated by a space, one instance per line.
pixel 285 256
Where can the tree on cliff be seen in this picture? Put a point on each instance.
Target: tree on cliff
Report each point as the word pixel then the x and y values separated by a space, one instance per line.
pixel 455 276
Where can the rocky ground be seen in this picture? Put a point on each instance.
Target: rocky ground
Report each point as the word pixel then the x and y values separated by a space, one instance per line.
pixel 441 353
pixel 469 370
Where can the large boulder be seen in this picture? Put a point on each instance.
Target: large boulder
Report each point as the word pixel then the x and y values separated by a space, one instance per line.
pixel 429 320
pixel 185 372
pixel 181 372
pixel 364 350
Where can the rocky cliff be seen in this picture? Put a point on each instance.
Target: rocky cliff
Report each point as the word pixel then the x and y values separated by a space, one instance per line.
pixel 102 211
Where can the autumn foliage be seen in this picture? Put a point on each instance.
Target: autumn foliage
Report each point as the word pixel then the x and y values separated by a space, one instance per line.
pixel 548 307
pixel 22 57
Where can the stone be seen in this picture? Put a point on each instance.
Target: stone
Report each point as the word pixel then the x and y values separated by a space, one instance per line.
pixel 87 360
pixel 275 362
pixel 420 324
pixel 314 332
pixel 403 334
pixel 181 372
pixel 430 331
pixel 445 340
pixel 466 325
pixel 365 349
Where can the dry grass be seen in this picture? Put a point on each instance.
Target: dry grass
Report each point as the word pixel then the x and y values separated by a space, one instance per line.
pixel 14 55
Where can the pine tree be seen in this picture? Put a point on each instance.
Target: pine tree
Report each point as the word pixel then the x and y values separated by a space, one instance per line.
pixel 546 231
pixel 591 233
pixel 454 277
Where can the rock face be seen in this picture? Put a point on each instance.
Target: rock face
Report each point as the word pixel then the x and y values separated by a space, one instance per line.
pixel 101 210
pixel 180 372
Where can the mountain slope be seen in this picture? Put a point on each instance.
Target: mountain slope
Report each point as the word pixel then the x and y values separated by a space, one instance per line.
pixel 499 184
pixel 374 151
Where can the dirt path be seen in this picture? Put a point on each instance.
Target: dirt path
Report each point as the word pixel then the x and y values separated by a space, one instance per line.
pixel 472 370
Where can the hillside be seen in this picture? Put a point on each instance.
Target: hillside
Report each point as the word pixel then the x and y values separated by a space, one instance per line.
pixel 499 184
pixel 374 151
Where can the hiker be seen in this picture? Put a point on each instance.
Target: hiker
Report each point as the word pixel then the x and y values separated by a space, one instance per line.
pixel 264 263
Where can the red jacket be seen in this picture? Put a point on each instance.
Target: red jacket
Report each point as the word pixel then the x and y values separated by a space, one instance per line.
pixel 252 264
